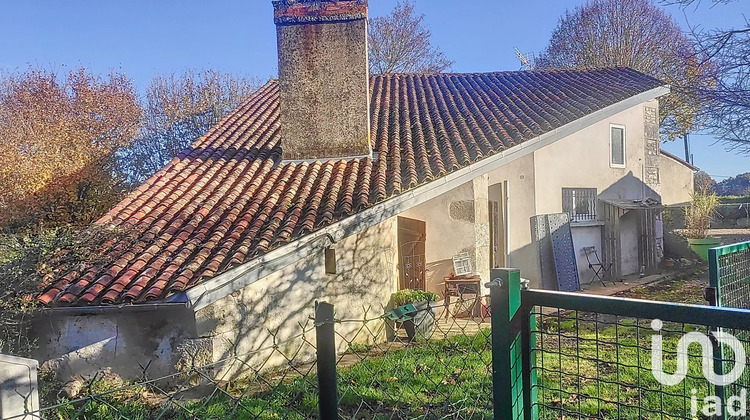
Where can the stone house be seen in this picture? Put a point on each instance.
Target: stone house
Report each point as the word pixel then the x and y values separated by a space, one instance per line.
pixel 385 177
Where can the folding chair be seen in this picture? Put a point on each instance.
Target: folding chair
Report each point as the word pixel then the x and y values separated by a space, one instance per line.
pixel 600 269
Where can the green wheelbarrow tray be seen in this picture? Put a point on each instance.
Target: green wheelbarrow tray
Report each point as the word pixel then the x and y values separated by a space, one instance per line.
pixel 402 313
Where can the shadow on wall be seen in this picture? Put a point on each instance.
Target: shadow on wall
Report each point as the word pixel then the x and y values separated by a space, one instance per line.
pixel 629 187
pixel 273 311
pixel 278 308
pixel 132 341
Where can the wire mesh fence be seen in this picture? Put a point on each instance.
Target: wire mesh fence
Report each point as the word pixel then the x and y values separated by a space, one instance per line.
pixel 730 275
pixel 430 362
pixel 597 366
pixel 277 381
pixel 614 358
pixel 527 354
pixel 439 367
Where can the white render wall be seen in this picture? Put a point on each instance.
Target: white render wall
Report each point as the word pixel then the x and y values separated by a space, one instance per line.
pixel 450 228
pixel 520 176
pixel 581 160
pixel 584 236
pixel 275 307
pixel 84 341
pixel 676 180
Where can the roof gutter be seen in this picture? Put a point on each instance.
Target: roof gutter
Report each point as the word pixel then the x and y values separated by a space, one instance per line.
pixel 210 291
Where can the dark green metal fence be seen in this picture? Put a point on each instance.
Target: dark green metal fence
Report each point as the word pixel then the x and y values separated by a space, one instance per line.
pixel 542 355
pixel 729 268
pixel 729 287
pixel 589 357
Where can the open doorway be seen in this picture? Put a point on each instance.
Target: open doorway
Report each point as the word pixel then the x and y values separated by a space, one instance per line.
pixel 412 235
pixel 498 202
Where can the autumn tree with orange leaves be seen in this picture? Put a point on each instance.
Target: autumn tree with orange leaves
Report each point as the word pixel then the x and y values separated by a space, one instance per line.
pixel 58 140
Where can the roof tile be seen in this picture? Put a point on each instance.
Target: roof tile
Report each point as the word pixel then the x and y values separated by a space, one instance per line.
pixel 228 198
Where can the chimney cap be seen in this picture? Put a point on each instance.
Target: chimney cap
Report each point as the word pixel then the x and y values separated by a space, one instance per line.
pixel 289 12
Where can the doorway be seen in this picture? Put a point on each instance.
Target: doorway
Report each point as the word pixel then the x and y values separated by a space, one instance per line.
pixel 412 236
pixel 499 225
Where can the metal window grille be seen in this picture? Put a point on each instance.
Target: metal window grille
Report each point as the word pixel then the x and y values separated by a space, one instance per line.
pixel 580 203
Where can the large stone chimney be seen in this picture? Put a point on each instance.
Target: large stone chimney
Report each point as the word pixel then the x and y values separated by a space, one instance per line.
pixel 323 77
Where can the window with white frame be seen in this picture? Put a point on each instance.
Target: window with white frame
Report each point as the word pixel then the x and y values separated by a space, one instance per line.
pixel 580 203
pixel 617 146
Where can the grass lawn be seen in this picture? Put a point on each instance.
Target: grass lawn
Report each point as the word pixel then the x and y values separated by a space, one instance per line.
pixel 606 371
pixel 449 377
pixel 599 367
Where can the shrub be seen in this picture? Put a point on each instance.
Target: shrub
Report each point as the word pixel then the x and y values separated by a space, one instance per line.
pixel 23 268
pixel 402 297
pixel 698 214
pixel 31 261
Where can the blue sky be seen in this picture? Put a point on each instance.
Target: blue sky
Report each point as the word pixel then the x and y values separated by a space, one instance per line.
pixel 143 38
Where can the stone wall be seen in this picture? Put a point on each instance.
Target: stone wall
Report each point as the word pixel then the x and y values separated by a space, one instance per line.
pixel 127 340
pixel 323 79
pixel 651 143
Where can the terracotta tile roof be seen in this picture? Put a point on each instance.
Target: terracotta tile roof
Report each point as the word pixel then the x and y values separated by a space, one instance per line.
pixel 228 198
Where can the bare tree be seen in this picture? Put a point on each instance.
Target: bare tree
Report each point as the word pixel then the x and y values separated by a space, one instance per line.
pixel 639 35
pixel 729 114
pixel 400 43
pixel 178 110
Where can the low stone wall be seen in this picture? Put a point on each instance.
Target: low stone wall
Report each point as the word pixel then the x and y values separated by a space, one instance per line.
pixel 128 340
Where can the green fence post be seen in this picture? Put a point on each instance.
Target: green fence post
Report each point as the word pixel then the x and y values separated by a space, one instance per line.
pixel 528 355
pixel 713 295
pixel 507 385
pixel 714 299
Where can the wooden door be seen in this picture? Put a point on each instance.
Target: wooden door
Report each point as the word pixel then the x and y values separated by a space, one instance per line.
pixel 411 253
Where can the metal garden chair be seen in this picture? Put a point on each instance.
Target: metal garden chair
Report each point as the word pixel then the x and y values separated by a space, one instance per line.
pixel 601 269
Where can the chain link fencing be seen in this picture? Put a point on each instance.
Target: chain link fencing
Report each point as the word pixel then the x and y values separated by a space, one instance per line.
pixel 277 381
pixel 527 354
pixel 431 362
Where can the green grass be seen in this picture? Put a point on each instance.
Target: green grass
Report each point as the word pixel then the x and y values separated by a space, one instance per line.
pixel 580 370
pixel 451 378
pixel 426 380
pixel 435 379
pixel 594 377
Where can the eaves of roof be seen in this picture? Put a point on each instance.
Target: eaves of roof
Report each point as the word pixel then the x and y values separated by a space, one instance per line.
pixel 210 291
pixel 680 161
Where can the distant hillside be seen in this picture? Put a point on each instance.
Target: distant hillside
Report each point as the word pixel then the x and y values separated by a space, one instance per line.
pixel 739 185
